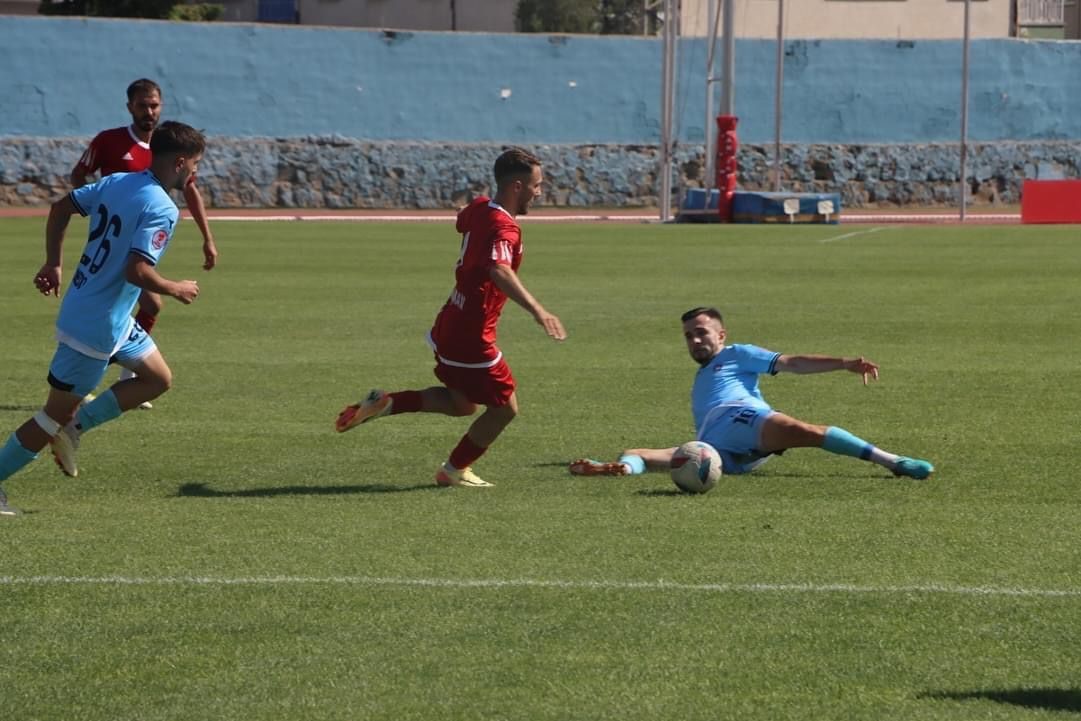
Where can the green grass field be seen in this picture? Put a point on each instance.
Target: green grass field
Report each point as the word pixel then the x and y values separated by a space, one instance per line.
pixel 229 556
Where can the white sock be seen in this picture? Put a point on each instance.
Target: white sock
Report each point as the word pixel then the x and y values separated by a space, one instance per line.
pixel 883 458
pixel 126 374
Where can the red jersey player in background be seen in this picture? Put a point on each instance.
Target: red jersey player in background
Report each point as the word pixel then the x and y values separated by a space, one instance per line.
pixel 468 362
pixel 127 150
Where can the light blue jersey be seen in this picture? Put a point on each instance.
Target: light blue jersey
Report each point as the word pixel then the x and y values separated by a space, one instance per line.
pixel 129 213
pixel 730 379
pixel 729 410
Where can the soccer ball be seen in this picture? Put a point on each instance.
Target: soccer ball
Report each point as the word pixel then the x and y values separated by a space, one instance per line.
pixel 696 467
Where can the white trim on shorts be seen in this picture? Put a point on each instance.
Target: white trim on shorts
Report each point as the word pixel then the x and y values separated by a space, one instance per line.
pixel 76 345
pixel 719 410
pixel 459 364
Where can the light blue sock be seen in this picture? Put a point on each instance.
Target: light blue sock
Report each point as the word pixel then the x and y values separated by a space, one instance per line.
pixel 840 441
pixel 635 463
pixel 13 457
pixel 102 409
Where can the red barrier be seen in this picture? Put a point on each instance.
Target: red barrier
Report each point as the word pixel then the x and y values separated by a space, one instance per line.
pixel 1051 201
pixel 727 167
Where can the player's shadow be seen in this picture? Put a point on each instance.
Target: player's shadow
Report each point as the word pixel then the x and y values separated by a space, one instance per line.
pixel 765 474
pixel 617 479
pixel 663 492
pixel 201 490
pixel 1047 699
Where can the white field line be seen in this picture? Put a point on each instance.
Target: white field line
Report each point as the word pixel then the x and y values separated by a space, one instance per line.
pixel 482 583
pixel 853 234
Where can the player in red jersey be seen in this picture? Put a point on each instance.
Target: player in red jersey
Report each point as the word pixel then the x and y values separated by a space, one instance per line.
pixel 468 362
pixel 127 150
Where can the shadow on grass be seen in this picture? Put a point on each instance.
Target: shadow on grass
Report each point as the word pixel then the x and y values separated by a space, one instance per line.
pixel 28 409
pixel 1049 699
pixel 201 490
pixel 857 472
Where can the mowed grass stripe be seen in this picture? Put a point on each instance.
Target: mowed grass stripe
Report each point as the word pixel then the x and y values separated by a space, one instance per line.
pixel 484 583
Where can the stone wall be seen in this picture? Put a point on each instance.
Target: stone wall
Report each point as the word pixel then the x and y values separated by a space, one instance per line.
pixel 338 172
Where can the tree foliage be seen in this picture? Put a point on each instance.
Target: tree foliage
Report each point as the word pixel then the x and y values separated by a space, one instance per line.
pixel 154 9
pixel 603 17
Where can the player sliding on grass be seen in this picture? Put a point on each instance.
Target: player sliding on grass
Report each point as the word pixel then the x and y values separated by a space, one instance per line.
pixel 467 360
pixel 132 219
pixel 731 415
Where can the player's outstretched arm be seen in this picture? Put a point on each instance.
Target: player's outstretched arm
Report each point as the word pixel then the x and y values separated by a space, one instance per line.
pixel 142 273
pixel 508 281
pixel 824 364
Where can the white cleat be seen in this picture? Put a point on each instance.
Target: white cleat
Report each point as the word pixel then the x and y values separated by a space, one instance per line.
pixel 5 509
pixel 64 447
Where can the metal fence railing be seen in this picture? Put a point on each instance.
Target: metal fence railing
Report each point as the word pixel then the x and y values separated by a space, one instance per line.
pixel 1036 13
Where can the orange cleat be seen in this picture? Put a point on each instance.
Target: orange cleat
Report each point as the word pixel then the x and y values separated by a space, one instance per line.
pixel 589 467
pixel 376 403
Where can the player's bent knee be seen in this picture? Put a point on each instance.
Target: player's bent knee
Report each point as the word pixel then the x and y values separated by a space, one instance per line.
pixel 505 413
pixel 158 383
pixel 47 424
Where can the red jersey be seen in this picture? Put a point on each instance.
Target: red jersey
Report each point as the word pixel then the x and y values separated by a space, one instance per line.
pixel 465 329
pixel 115 151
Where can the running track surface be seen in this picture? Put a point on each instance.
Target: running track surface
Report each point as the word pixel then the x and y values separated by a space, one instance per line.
pixel 541 215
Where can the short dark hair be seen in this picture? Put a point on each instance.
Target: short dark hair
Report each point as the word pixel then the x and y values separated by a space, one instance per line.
pixel 173 138
pixel 142 86
pixel 514 162
pixel 702 310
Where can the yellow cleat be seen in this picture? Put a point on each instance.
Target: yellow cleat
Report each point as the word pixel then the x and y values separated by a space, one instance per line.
pixel 447 476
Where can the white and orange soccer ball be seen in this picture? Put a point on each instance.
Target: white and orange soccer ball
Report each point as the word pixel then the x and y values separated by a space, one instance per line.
pixel 696 467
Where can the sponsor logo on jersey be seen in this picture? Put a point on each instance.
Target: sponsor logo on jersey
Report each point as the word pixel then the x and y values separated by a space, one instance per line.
pixel 159 240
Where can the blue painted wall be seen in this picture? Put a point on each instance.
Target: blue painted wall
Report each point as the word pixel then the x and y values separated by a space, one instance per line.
pixel 66 77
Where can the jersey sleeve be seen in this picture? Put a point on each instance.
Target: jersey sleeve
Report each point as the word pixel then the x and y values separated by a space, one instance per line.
pixel 505 242
pixel 154 233
pixel 91 158
pixel 756 360
pixel 85 198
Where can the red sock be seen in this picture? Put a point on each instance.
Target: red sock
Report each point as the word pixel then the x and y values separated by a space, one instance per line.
pixel 146 320
pixel 405 402
pixel 465 453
